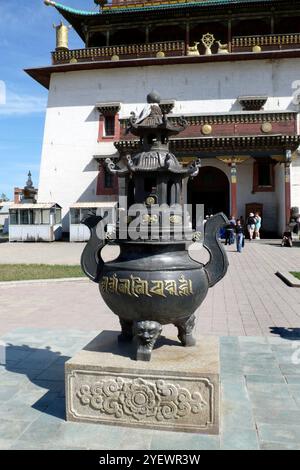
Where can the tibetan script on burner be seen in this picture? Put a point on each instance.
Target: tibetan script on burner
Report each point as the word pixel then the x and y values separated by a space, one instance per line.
pixel 136 286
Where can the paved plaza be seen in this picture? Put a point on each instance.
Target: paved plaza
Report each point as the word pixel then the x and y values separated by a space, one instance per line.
pixel 255 315
pixel 251 300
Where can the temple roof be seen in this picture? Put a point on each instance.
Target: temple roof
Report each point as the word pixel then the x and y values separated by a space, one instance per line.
pixel 76 17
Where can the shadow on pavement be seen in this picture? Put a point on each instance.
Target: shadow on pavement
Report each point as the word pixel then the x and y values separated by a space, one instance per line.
pixel 286 333
pixel 45 369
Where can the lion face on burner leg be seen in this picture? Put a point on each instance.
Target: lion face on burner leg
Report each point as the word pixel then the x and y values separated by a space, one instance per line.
pixel 146 333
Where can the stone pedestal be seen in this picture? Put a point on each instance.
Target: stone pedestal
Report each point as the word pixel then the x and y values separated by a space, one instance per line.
pixel 178 390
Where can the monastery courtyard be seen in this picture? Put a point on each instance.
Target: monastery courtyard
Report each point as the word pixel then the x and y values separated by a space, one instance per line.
pixel 253 312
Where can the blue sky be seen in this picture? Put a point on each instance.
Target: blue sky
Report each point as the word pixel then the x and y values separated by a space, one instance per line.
pixel 26 37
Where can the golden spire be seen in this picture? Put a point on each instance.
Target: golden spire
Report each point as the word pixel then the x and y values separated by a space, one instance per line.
pixel 62 36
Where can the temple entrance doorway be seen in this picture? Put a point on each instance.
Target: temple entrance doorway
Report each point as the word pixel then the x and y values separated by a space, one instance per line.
pixel 211 188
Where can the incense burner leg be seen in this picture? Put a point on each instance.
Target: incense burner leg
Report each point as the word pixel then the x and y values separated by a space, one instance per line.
pixel 126 334
pixel 185 330
pixel 146 333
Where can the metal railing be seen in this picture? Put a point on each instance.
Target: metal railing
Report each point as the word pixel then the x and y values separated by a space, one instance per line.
pixel 131 51
pixel 281 41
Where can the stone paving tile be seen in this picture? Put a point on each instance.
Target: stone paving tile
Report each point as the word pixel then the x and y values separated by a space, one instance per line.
pixel 44 432
pixel 16 410
pixel 52 373
pixel 183 441
pixel 283 434
pixel 51 431
pixel 137 439
pixel 292 379
pixel 252 401
pixel 236 438
pixel 7 391
pixel 261 369
pixel 11 430
pixel 271 415
pixel 265 379
pixel 25 445
pixel 290 369
pixel 236 412
pixel 278 446
pixel 261 399
pixel 234 390
pixel 295 392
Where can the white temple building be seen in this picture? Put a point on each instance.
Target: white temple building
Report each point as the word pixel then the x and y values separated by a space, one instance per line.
pixel 234 75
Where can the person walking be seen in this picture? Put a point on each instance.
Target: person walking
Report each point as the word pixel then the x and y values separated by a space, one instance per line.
pixel 257 225
pixel 239 230
pixel 251 225
pixel 229 231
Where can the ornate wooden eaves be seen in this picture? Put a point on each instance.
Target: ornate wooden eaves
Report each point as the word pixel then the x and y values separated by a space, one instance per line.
pixel 238 118
pixel 108 108
pixel 252 103
pixel 264 143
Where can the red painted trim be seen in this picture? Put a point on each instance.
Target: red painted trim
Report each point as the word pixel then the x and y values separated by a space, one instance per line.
pixel 233 191
pixel 108 138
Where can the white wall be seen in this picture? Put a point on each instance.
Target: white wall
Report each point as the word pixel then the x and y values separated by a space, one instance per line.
pixel 68 172
pixel 280 197
pixel 37 233
pixel 295 183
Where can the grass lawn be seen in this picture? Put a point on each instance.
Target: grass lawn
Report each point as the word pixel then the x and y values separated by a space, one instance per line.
pixel 296 274
pixel 21 272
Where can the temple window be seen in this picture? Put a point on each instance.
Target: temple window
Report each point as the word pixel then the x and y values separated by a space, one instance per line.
pixel 109 125
pixel 263 176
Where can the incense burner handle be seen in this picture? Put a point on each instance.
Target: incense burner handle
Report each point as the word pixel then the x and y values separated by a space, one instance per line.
pixel 217 266
pixel 91 262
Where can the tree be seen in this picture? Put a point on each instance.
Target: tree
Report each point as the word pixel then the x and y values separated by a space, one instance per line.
pixel 3 197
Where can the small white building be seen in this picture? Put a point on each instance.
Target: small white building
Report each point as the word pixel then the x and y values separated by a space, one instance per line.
pixel 4 215
pixel 78 231
pixel 35 222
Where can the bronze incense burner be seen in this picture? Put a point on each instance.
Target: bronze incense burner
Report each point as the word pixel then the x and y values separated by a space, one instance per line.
pixel 154 281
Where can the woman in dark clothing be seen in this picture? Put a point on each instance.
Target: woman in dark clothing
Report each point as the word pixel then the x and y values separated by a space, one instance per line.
pixel 239 230
pixel 229 231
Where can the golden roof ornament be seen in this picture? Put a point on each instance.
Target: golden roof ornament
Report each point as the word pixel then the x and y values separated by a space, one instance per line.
pixel 207 40
pixel 62 36
pixel 193 50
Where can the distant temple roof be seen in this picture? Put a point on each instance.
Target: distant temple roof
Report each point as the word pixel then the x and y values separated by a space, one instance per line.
pixel 135 5
pixel 77 17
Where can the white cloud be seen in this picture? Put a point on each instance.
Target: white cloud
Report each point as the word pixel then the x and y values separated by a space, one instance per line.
pixel 20 105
